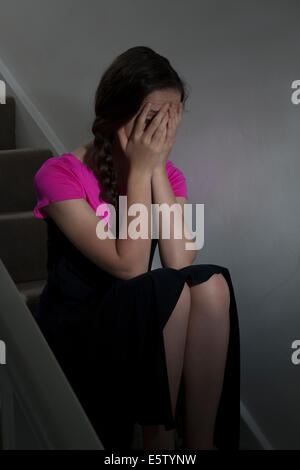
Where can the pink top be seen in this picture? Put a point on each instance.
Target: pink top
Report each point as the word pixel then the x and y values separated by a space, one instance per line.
pixel 66 177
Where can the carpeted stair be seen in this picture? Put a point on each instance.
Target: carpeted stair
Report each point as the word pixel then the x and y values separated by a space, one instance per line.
pixel 23 237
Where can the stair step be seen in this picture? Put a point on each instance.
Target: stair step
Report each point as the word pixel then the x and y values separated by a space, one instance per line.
pixel 7 124
pixel 23 246
pixel 17 170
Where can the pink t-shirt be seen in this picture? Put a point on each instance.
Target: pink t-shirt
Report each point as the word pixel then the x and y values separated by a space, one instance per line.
pixel 66 177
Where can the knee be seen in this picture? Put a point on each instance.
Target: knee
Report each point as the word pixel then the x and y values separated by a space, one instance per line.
pixel 218 289
pixel 214 291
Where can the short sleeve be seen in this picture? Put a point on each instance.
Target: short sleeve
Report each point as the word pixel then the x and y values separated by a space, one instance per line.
pixel 54 182
pixel 177 180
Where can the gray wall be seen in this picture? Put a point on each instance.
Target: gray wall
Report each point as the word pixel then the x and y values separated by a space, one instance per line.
pixel 27 131
pixel 238 146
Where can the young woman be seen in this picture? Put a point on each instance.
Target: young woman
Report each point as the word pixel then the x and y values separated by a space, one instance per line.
pixel 134 342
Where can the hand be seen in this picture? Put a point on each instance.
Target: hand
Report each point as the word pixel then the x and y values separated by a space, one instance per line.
pixel 175 118
pixel 144 146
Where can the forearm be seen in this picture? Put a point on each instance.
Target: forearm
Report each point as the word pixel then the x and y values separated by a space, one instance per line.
pixel 173 250
pixel 135 253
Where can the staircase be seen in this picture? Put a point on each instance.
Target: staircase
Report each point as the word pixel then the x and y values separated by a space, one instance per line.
pixel 23 237
pixel 30 416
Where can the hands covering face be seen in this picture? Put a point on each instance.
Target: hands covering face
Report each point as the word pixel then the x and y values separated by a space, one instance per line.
pixel 175 117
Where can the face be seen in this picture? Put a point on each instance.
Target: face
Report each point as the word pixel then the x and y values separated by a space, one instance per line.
pixel 157 99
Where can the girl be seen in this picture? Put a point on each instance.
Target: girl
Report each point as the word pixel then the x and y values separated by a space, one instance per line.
pixel 136 343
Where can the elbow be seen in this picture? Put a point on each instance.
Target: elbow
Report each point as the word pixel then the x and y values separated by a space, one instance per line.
pixel 181 263
pixel 125 275
pixel 177 265
pixel 131 273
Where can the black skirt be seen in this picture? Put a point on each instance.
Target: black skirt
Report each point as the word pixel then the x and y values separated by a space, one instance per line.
pixel 107 335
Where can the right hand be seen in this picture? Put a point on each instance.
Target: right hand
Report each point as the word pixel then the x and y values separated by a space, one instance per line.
pixel 144 145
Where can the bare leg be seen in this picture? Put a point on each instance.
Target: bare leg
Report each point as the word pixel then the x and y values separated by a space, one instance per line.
pixel 204 360
pixel 156 437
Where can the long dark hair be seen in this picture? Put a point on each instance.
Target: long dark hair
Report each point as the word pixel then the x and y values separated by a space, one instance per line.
pixel 122 89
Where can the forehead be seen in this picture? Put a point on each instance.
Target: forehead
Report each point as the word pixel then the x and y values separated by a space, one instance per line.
pixel 159 97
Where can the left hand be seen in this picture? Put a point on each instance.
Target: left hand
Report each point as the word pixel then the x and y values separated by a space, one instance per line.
pixel 175 117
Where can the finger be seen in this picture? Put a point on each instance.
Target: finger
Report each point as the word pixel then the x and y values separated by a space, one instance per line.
pixel 172 122
pixel 165 132
pixel 161 129
pixel 180 111
pixel 177 116
pixel 163 136
pixel 122 137
pixel 154 124
pixel 139 123
pixel 169 128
